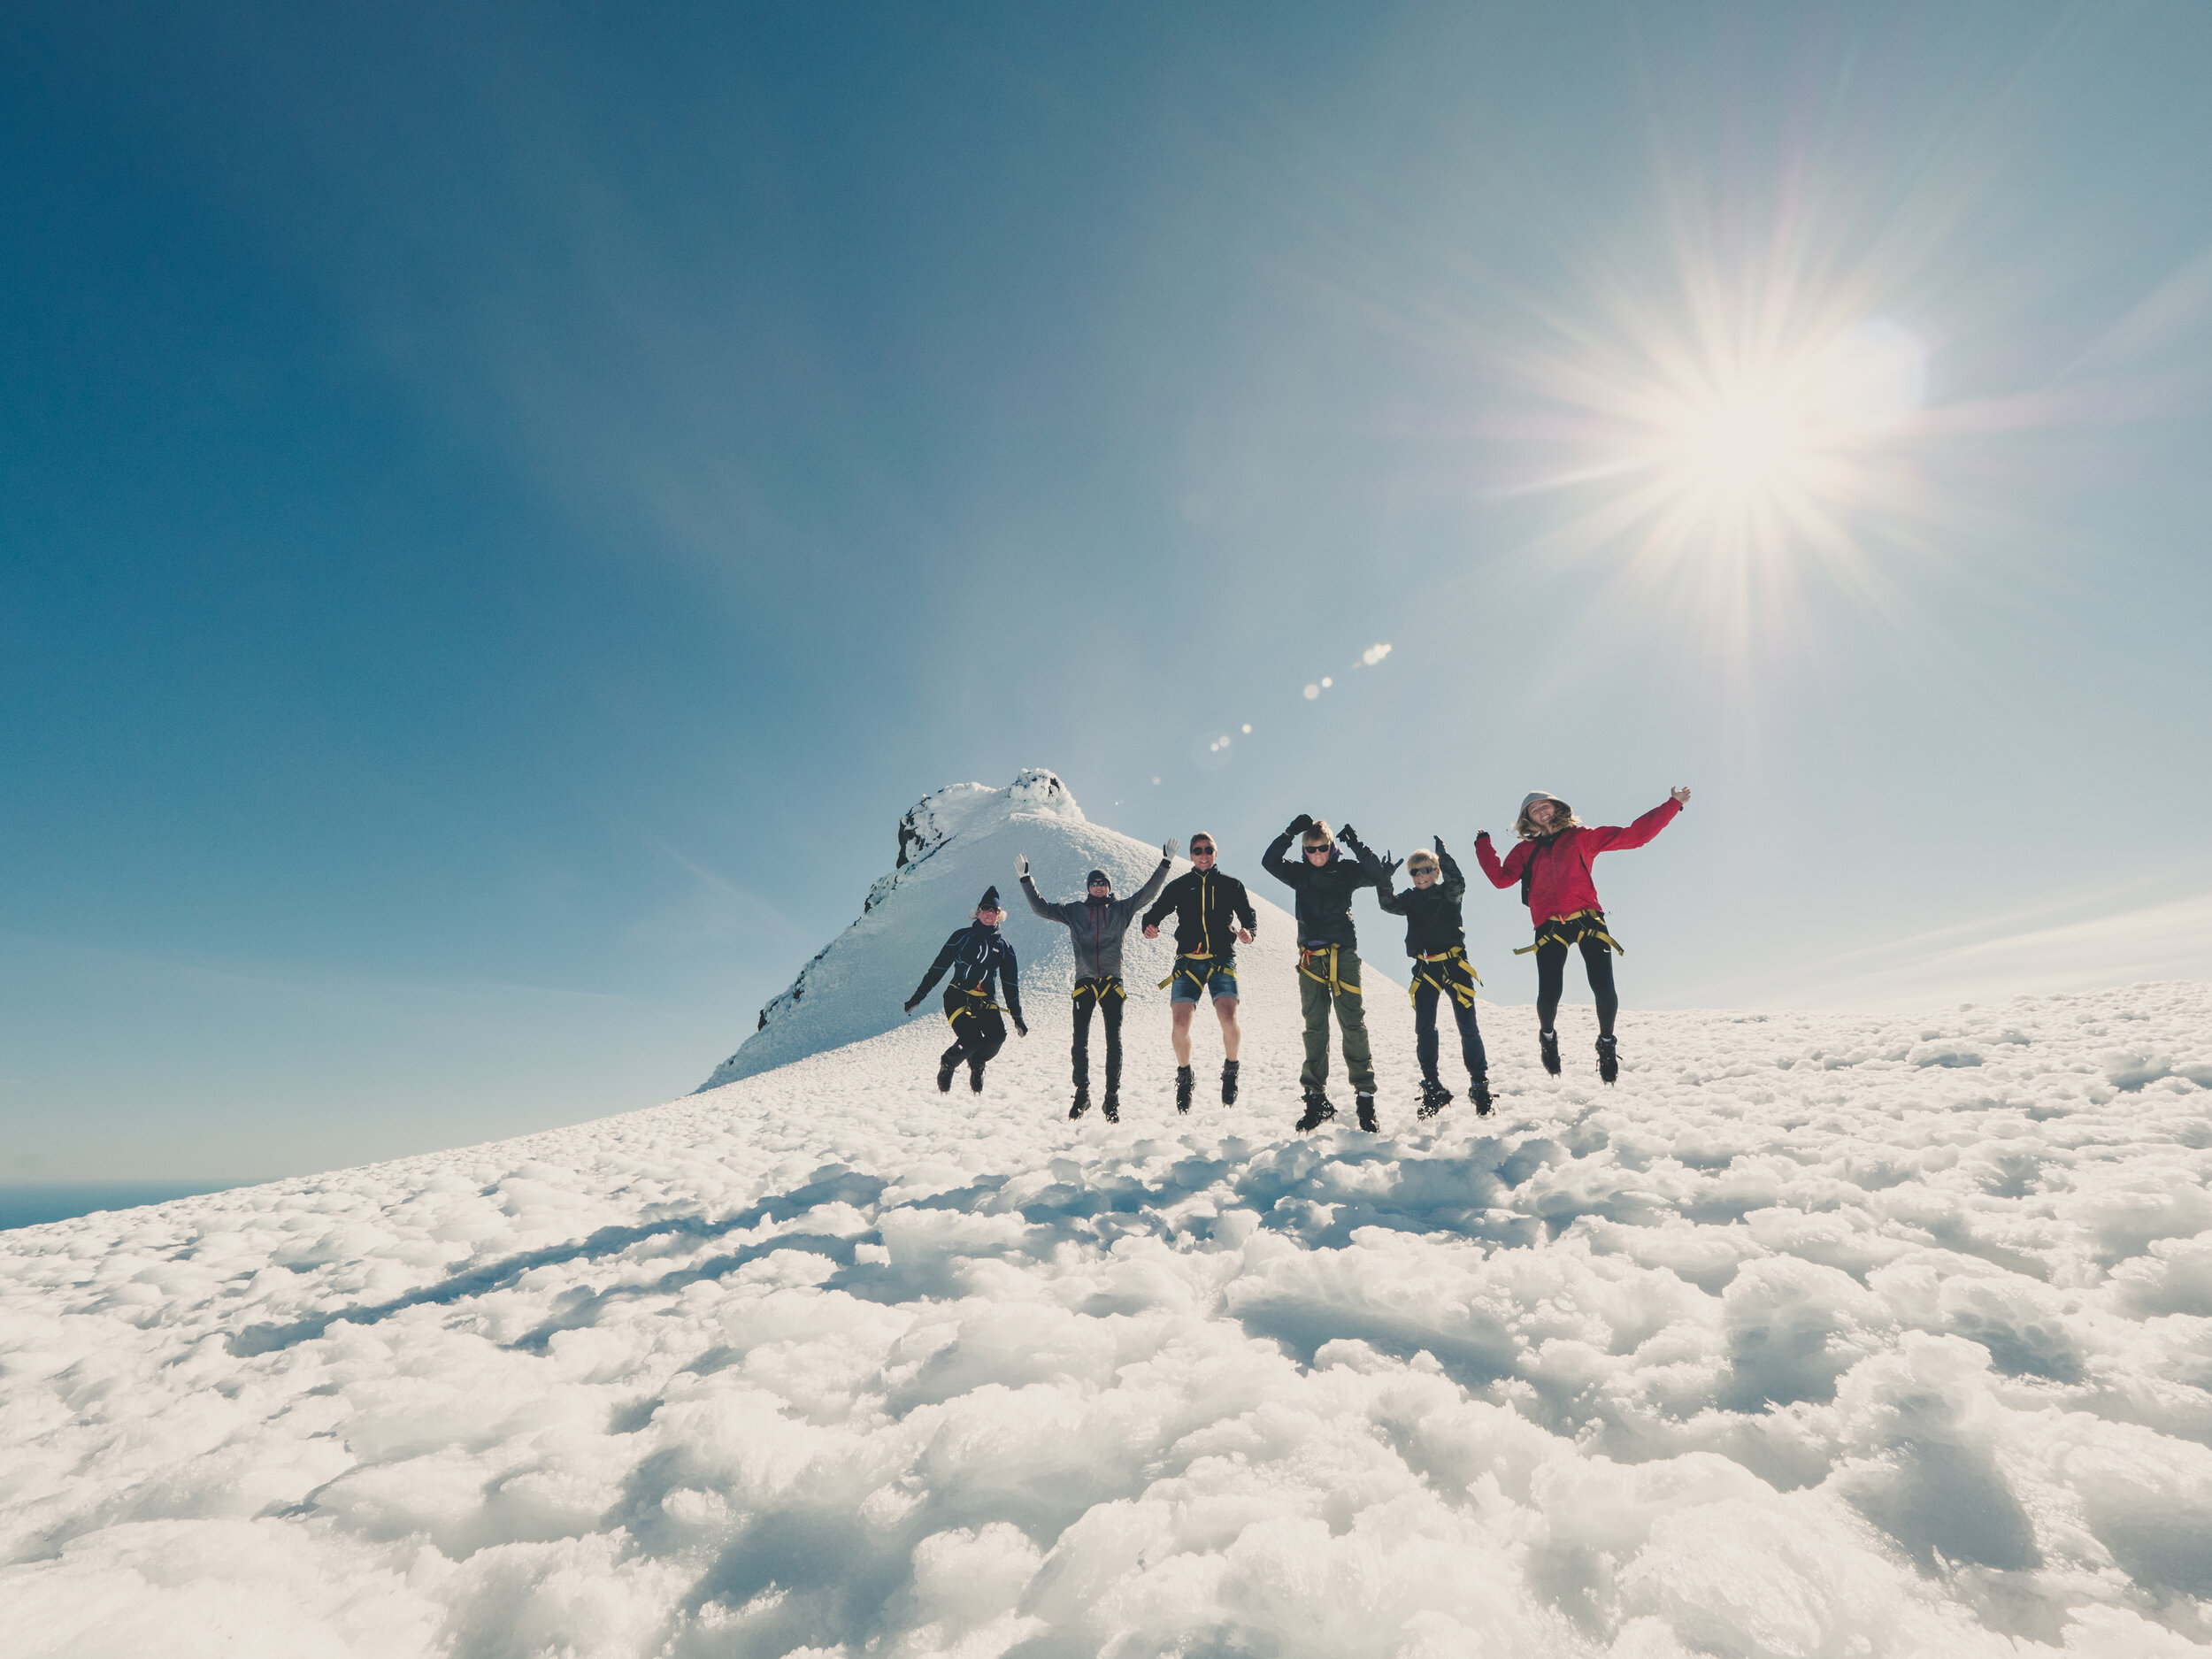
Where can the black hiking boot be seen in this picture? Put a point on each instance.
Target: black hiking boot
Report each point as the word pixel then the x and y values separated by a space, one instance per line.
pixel 1550 1040
pixel 1478 1092
pixel 1228 1082
pixel 1609 1060
pixel 945 1069
pixel 1366 1103
pixel 1082 1101
pixel 975 1080
pixel 1435 1097
pixel 1111 1106
pixel 1184 1083
pixel 1319 1111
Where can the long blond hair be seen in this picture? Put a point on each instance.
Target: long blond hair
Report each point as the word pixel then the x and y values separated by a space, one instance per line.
pixel 1564 819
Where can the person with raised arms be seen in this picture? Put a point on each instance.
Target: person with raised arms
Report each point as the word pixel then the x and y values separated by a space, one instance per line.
pixel 1552 863
pixel 1328 957
pixel 1213 916
pixel 1097 923
pixel 979 960
pixel 1436 939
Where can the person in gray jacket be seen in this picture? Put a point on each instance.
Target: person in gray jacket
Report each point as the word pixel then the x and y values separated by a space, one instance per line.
pixel 1097 923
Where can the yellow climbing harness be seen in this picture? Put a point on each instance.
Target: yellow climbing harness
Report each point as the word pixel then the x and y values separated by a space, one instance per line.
pixel 1449 985
pixel 1557 932
pixel 1182 972
pixel 1099 988
pixel 1308 955
pixel 952 1016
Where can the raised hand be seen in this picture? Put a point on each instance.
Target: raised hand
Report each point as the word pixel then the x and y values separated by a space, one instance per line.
pixel 1439 844
pixel 1169 848
pixel 1021 864
pixel 1681 794
pixel 1349 836
pixel 1300 825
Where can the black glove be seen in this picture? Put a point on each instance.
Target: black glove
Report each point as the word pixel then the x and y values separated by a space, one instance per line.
pixel 1390 866
pixel 1349 837
pixel 1300 825
pixel 912 1003
pixel 1439 849
pixel 1482 835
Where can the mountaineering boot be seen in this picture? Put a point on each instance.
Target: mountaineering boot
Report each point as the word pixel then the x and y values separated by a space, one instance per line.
pixel 1367 1113
pixel 945 1069
pixel 1319 1111
pixel 1435 1097
pixel 1478 1092
pixel 1550 1040
pixel 1608 1061
pixel 1111 1106
pixel 1184 1082
pixel 1082 1102
pixel 975 1080
pixel 1228 1082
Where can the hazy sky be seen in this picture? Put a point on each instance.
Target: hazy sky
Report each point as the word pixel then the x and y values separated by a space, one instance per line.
pixel 501 508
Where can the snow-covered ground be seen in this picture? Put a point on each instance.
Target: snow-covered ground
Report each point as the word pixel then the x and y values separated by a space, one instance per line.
pixel 1819 1334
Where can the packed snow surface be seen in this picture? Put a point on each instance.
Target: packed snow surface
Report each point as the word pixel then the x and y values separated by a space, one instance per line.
pixel 1818 1335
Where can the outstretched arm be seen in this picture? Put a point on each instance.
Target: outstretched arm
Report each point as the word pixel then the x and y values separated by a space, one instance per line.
pixel 1038 903
pixel 936 972
pixel 1505 872
pixel 1145 894
pixel 1451 881
pixel 1608 839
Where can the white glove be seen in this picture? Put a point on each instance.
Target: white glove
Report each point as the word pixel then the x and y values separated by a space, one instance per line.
pixel 1021 864
pixel 1170 847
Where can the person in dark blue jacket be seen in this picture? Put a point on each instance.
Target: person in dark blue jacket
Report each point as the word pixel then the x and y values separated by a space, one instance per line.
pixel 1436 939
pixel 979 960
pixel 1328 956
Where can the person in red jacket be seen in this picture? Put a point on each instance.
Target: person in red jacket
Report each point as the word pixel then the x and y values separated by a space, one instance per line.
pixel 1552 863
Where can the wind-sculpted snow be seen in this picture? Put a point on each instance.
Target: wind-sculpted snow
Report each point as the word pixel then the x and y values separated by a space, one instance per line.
pixel 1818 1335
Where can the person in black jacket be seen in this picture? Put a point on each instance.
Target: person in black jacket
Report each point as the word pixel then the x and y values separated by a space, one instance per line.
pixel 1436 939
pixel 1213 916
pixel 979 960
pixel 1097 923
pixel 1328 957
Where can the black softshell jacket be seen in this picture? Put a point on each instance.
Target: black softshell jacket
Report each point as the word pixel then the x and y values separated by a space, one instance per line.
pixel 1208 908
pixel 1432 914
pixel 1097 925
pixel 1325 894
pixel 979 958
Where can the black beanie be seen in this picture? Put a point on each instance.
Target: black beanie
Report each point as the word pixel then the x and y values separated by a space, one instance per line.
pixel 989 901
pixel 1096 876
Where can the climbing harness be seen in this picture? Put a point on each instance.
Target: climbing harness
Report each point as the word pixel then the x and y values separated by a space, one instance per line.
pixel 1099 989
pixel 1448 983
pixel 1196 976
pixel 1563 931
pixel 1308 955
pixel 952 1017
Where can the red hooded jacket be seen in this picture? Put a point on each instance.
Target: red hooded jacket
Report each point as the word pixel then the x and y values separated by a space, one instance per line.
pixel 1562 883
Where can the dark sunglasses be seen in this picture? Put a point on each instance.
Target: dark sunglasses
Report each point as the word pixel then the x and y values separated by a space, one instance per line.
pixel 1316 846
pixel 1199 852
pixel 1102 884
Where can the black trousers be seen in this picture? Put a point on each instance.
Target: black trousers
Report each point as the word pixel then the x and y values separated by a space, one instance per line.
pixel 1425 997
pixel 1551 979
pixel 1107 996
pixel 978 1032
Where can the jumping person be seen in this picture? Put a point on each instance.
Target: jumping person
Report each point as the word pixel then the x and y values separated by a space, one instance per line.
pixel 1552 863
pixel 978 960
pixel 1097 923
pixel 1436 939
pixel 1213 916
pixel 1328 957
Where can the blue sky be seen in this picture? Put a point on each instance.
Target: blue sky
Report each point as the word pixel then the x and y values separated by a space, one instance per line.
pixel 503 507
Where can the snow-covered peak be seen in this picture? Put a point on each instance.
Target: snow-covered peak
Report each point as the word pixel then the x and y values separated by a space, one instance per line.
pixel 952 844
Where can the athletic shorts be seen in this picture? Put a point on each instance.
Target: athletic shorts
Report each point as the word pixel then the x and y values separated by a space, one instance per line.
pixel 1221 979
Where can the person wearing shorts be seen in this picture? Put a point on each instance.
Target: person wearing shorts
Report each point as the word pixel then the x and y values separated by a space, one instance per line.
pixel 1213 916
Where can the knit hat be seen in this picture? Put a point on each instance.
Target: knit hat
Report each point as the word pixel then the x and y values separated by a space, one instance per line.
pixel 989 901
pixel 1098 878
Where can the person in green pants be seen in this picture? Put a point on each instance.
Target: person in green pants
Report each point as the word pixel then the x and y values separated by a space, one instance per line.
pixel 1328 957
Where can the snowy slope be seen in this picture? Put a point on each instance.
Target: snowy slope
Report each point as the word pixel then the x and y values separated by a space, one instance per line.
pixel 1818 1335
pixel 955 844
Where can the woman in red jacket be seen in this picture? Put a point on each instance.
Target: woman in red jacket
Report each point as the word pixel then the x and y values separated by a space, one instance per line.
pixel 1552 863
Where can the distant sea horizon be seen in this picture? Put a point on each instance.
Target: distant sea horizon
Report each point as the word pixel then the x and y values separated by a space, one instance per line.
pixel 31 1203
